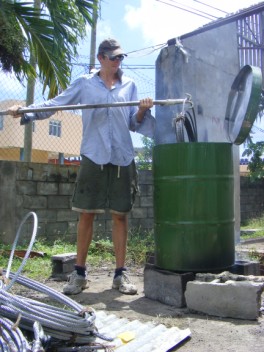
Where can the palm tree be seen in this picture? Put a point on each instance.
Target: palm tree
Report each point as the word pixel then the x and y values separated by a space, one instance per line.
pixel 50 31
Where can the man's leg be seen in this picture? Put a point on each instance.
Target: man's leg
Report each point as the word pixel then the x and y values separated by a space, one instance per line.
pixel 84 237
pixel 119 235
pixel 120 232
pixel 78 279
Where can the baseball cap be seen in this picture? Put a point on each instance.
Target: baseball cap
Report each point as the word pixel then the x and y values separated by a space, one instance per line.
pixel 111 47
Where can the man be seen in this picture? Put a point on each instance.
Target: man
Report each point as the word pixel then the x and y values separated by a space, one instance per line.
pixel 107 177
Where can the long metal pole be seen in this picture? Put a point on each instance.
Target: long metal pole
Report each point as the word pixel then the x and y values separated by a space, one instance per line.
pixel 165 102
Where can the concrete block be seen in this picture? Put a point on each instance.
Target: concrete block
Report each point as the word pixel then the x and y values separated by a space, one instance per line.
pixel 150 258
pixel 244 267
pixel 63 265
pixel 59 202
pixel 139 213
pixel 146 201
pixel 56 228
pixel 67 215
pixel 231 299
pixel 26 187
pixel 165 286
pixel 66 189
pixel 36 202
pixel 47 188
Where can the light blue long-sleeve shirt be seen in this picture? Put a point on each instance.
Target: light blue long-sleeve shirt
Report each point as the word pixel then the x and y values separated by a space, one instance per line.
pixel 106 131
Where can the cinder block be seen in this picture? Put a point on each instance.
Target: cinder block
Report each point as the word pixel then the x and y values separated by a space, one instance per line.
pixel 165 286
pixel 63 265
pixel 150 258
pixel 244 267
pixel 231 299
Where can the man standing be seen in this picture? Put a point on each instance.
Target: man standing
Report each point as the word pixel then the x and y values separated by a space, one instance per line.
pixel 107 176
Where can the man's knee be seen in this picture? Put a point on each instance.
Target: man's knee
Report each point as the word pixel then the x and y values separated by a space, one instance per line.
pixel 86 217
pixel 119 218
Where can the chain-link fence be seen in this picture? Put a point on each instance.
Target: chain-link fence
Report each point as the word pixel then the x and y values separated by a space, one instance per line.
pixel 57 139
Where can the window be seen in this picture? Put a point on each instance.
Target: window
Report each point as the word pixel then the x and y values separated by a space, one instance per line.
pixel 1 123
pixel 55 128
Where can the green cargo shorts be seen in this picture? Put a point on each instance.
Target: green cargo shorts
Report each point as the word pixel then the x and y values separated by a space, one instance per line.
pixel 99 187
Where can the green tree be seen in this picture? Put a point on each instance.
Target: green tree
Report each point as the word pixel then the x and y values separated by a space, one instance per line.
pixel 144 158
pixel 51 33
pixel 256 163
pixel 255 150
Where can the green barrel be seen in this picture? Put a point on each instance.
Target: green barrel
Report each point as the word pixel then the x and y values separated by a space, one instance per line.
pixel 194 206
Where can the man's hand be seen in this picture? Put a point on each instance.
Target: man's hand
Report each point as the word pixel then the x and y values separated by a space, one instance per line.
pixel 13 111
pixel 144 105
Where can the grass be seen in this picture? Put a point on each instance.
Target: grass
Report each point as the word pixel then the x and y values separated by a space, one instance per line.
pixel 100 252
pixel 257 225
pixel 253 224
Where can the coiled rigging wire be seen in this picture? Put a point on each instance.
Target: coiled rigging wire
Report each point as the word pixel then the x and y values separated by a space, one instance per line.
pixel 12 339
pixel 34 233
pixel 59 324
pixel 185 121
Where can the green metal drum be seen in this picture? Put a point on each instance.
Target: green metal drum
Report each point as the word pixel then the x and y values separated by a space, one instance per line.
pixel 194 188
pixel 194 206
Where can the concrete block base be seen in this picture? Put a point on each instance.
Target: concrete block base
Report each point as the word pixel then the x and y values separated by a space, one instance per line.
pixel 63 265
pixel 165 286
pixel 229 299
pixel 245 267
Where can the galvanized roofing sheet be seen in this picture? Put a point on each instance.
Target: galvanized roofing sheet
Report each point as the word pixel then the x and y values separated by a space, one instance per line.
pixel 141 337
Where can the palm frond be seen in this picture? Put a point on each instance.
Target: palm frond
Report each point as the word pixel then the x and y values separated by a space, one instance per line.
pixel 51 34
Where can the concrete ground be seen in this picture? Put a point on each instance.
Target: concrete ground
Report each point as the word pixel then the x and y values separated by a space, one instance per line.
pixel 208 333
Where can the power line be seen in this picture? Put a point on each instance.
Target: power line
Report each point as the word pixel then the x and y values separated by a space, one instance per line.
pixel 259 129
pixel 212 7
pixel 130 66
pixel 149 50
pixel 195 11
pixel 146 51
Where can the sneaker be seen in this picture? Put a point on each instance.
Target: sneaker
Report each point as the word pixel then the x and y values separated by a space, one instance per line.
pixel 75 285
pixel 124 285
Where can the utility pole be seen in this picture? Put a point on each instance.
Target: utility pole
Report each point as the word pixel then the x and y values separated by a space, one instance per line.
pixel 93 35
pixel 27 152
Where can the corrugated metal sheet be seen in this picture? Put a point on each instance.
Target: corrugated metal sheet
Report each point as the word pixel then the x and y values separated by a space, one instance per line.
pixel 148 337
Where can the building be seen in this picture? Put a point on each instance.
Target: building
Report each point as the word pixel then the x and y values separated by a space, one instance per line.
pixel 60 135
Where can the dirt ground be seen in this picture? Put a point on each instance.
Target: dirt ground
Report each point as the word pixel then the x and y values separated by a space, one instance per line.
pixel 207 333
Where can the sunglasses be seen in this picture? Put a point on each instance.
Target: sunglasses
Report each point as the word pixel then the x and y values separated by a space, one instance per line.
pixel 117 57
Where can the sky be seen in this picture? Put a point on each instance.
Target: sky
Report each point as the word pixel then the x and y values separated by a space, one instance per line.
pixel 142 26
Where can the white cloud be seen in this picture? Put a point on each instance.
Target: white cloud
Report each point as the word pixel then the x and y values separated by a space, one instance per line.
pixel 159 22
pixel 104 30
